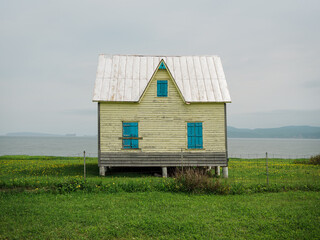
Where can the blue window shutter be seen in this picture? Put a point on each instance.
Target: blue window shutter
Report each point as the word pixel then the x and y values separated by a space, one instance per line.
pixel 134 133
pixel 126 143
pixel 134 143
pixel 130 129
pixel 199 137
pixel 126 133
pixel 162 88
pixel 158 89
pixel 198 129
pixel 134 129
pixel 165 89
pixel 126 130
pixel 195 138
pixel 191 135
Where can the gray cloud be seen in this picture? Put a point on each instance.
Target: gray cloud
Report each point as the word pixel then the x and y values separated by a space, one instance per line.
pixel 49 52
pixel 80 112
pixel 311 84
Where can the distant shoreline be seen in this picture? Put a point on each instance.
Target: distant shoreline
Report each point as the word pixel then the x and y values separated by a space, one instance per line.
pixel 91 136
pixel 287 132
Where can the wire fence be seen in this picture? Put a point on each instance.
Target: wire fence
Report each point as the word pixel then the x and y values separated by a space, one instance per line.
pixel 269 168
pixel 80 154
pixel 271 155
pixel 273 169
pixel 233 155
pixel 230 155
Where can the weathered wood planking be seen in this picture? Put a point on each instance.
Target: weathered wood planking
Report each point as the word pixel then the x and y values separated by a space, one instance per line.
pixel 117 159
pixel 162 121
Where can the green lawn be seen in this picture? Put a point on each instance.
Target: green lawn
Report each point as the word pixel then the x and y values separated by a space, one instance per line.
pixel 155 215
pixel 244 174
pixel 288 171
pixel 139 206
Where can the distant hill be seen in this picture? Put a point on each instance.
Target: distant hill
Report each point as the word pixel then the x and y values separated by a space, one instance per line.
pixel 281 132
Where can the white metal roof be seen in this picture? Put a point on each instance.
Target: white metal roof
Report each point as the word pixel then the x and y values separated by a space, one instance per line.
pixel 124 78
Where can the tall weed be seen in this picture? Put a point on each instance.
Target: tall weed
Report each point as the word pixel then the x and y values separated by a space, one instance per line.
pixel 315 160
pixel 195 180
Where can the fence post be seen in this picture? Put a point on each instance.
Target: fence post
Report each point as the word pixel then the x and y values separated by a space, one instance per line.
pixel 267 168
pixel 182 159
pixel 84 165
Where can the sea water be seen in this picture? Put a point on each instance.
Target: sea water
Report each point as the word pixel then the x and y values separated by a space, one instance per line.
pixel 237 147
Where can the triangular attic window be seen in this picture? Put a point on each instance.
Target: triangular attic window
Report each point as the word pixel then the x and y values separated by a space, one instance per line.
pixel 162 66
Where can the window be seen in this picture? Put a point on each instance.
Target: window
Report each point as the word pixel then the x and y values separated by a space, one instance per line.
pixel 130 135
pixel 195 140
pixel 162 88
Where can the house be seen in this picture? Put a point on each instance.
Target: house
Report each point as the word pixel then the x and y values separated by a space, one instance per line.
pixel 161 111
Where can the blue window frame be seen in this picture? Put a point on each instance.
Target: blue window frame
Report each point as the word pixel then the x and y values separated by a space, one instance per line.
pixel 195 138
pixel 162 88
pixel 130 135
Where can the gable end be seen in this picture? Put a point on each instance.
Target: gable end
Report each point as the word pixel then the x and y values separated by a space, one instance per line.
pixel 161 67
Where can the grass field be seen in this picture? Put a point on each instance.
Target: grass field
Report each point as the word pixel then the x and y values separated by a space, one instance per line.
pixel 244 174
pixel 139 206
pixel 155 215
pixel 280 171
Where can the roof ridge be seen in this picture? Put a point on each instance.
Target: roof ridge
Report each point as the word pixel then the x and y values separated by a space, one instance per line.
pixel 148 55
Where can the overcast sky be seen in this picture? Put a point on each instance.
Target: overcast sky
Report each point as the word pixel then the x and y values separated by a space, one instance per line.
pixel 49 50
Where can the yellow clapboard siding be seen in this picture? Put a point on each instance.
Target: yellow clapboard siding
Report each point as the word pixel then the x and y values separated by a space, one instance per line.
pixel 162 121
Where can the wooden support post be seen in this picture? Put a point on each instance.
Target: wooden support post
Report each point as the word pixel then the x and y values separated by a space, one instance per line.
pixel 182 159
pixel 225 172
pixel 102 170
pixel 217 170
pixel 164 172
